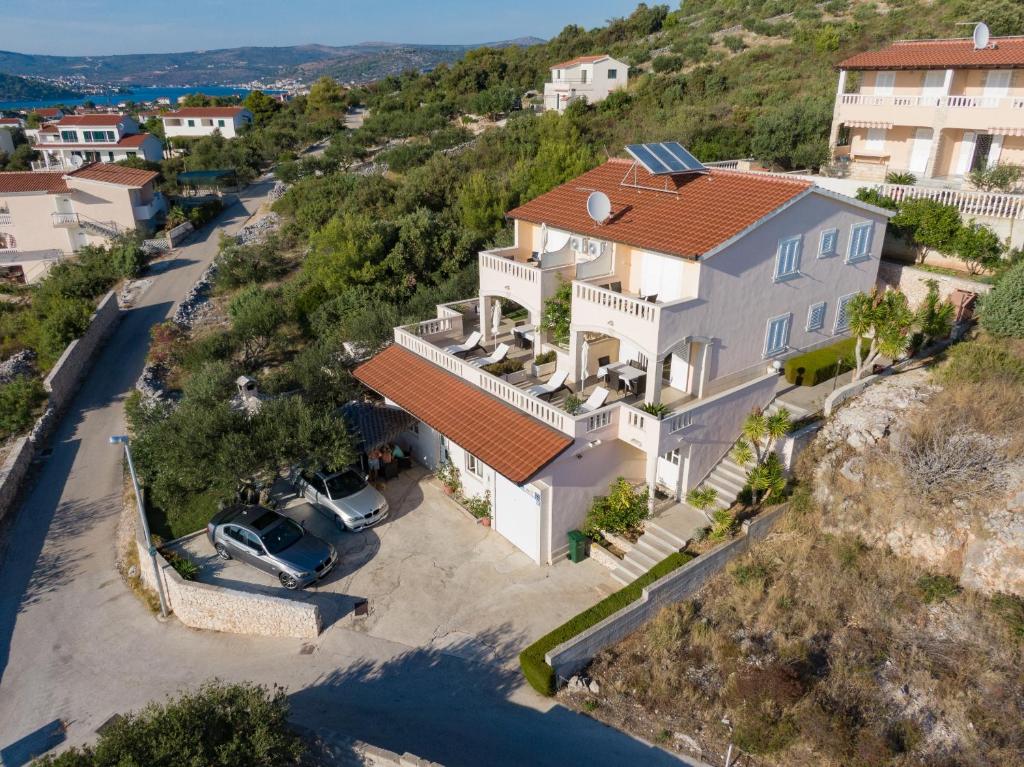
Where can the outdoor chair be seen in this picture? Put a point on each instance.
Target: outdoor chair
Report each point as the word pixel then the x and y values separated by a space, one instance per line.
pixel 556 382
pixel 596 400
pixel 467 346
pixel 500 353
pixel 614 381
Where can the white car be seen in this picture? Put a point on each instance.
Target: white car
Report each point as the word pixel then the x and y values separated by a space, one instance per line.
pixel 345 495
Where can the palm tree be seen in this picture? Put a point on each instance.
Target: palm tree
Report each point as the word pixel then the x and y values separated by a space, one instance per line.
pixel 884 320
pixel 702 498
pixel 760 433
pixel 766 479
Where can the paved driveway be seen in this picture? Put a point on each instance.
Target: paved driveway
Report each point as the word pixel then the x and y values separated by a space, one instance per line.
pixel 433 577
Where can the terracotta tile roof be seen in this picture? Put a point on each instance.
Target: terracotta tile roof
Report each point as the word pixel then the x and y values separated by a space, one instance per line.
pixel 48 112
pixel 511 442
pixel 48 129
pixel 86 120
pixel 941 54
pixel 206 112
pixel 579 60
pixel 114 174
pixel 706 210
pixel 10 121
pixel 51 182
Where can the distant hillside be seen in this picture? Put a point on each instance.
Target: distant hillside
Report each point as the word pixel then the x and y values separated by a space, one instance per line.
pixel 14 88
pixel 361 62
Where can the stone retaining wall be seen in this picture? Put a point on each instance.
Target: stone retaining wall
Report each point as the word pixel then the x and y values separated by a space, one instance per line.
pixel 913 282
pixel 179 233
pixel 571 656
pixel 60 384
pixel 204 606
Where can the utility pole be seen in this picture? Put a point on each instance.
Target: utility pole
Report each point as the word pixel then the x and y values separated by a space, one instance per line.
pixel 123 440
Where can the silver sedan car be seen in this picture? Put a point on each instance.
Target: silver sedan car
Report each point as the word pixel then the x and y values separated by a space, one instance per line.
pixel 345 495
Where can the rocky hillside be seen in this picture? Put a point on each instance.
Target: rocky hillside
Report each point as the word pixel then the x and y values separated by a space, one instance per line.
pixel 14 88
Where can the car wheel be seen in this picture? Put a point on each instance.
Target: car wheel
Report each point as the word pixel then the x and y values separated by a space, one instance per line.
pixel 222 551
pixel 288 581
pixel 340 523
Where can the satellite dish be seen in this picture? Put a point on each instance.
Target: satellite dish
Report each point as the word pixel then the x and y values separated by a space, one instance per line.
pixel 599 207
pixel 981 35
pixel 76 161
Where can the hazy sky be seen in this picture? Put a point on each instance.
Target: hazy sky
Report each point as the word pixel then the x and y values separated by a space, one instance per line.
pixel 91 27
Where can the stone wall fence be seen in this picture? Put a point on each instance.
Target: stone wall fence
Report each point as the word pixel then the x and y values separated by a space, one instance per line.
pixel 572 655
pixel 179 233
pixel 60 384
pixel 913 282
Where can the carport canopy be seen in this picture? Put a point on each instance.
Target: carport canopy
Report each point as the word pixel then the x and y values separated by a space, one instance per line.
pixel 506 439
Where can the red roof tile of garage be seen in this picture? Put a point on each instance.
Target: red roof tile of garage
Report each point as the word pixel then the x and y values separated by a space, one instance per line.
pixel 941 54
pixel 51 182
pixel 509 441
pixel 115 174
pixel 699 213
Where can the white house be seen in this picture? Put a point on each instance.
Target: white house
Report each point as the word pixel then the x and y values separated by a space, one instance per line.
pixel 590 78
pixel 688 286
pixel 8 126
pixel 205 121
pixel 75 140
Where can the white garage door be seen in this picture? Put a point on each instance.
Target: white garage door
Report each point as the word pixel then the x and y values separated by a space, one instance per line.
pixel 517 516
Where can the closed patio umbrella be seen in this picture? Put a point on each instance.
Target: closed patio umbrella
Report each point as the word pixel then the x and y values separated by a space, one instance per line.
pixel 584 361
pixel 496 318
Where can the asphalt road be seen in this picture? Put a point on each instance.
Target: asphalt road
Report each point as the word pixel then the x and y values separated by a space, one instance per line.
pixel 77 647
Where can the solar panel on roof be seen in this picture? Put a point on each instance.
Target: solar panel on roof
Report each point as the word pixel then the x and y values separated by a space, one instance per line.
pixel 665 158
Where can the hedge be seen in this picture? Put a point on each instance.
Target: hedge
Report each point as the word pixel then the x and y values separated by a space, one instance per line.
pixel 819 365
pixel 531 660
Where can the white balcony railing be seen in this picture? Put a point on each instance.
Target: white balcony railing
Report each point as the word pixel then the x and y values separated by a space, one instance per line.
pixel 6 219
pixel 990 204
pixel 65 219
pixel 950 102
pixel 616 303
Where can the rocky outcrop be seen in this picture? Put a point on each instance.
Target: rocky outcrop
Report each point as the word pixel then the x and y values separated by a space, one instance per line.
pixel 858 482
pixel 19 365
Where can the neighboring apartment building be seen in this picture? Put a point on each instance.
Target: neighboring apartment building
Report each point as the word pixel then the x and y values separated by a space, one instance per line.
pixel 75 140
pixel 57 212
pixel 689 293
pixel 936 108
pixel 205 121
pixel 8 126
pixel 590 78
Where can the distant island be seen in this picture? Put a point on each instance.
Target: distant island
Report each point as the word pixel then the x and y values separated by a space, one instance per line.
pixel 241 66
pixel 15 88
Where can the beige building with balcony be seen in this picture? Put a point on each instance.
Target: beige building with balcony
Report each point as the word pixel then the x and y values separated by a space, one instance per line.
pixel 936 108
pixel 75 140
pixel 686 295
pixel 585 78
pixel 45 215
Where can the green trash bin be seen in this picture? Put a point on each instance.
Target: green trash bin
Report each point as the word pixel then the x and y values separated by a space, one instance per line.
pixel 577 546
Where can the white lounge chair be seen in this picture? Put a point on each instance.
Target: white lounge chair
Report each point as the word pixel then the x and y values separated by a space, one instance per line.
pixel 466 346
pixel 497 355
pixel 556 382
pixel 595 400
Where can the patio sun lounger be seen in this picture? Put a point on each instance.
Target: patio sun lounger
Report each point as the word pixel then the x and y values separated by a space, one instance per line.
pixel 500 353
pixel 556 382
pixel 595 400
pixel 466 346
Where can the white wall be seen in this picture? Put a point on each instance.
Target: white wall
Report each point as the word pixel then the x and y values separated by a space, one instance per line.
pixel 6 140
pixel 205 126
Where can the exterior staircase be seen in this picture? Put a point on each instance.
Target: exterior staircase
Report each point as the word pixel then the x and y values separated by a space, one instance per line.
pixel 102 228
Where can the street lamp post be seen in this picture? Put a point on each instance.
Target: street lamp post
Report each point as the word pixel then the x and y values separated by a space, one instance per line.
pixel 123 440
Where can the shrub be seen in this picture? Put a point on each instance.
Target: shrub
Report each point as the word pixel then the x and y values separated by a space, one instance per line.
pixel 221 725
pixel 659 409
pixel 876 198
pixel 623 510
pixel 18 402
pixel 667 63
pixel 820 365
pixel 572 404
pixel 531 660
pixel 504 367
pixel 937 588
pixel 1002 311
pixel 545 358
pixel 1001 177
pixel 928 224
pixel 978 247
pixel 900 177
pixel 734 43
pixel 479 505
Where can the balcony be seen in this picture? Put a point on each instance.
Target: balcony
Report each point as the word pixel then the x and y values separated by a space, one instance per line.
pixel 65 220
pixel 150 210
pixel 520 277
pixel 6 219
pixel 954 111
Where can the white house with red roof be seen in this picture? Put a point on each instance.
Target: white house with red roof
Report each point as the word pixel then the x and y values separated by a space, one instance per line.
pixel 194 122
pixel 936 108
pixel 587 78
pixel 8 127
pixel 75 140
pixel 688 288
pixel 45 214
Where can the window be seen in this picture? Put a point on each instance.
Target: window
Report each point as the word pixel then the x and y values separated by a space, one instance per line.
pixel 220 123
pixel 816 316
pixel 842 321
pixel 69 135
pixel 860 243
pixel 828 242
pixel 672 456
pixel 191 123
pixel 787 262
pixel 776 340
pixel 583 75
pixel 876 140
pixel 474 466
pixel 884 82
pixel 613 74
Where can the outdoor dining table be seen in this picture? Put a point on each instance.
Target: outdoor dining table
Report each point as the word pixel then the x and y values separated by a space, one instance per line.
pixel 524 335
pixel 631 376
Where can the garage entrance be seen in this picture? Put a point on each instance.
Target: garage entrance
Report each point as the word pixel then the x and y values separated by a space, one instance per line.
pixel 517 516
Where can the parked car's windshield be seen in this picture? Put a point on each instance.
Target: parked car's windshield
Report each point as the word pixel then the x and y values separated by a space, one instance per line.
pixel 280 537
pixel 344 484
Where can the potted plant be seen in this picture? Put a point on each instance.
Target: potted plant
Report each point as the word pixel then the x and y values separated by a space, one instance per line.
pixel 658 409
pixel 509 370
pixel 544 364
pixel 480 507
pixel 449 478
